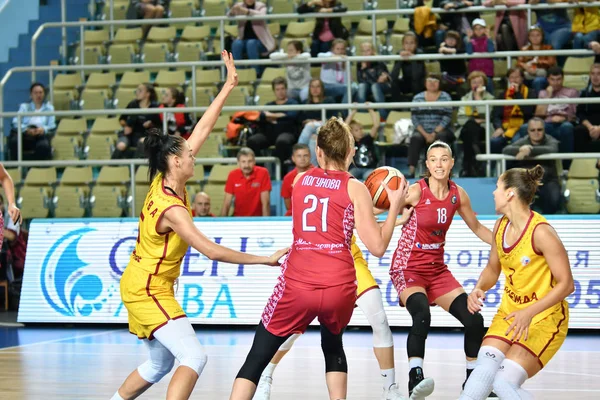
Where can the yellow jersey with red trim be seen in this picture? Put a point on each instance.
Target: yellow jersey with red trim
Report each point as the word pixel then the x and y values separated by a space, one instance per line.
pixel 528 276
pixel 159 253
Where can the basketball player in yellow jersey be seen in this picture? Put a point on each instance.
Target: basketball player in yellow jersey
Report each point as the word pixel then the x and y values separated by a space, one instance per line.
pixel 371 304
pixel 532 321
pixel 166 229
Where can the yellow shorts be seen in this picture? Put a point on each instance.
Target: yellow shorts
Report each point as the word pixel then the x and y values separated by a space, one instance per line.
pixel 150 301
pixel 545 336
pixel 364 278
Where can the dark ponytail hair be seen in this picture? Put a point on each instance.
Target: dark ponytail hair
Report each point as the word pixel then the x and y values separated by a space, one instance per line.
pixel 158 148
pixel 524 181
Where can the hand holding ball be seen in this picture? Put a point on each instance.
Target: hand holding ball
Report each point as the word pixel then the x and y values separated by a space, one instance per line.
pixel 376 182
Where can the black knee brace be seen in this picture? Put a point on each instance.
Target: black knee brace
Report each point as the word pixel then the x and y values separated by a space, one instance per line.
pixel 263 349
pixel 473 323
pixel 418 306
pixel 333 350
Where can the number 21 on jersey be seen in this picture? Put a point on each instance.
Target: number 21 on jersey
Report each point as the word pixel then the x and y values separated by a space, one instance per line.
pixel 442 216
pixel 312 208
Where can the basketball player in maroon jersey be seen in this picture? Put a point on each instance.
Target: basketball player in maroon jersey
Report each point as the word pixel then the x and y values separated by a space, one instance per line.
pixel 318 277
pixel 418 270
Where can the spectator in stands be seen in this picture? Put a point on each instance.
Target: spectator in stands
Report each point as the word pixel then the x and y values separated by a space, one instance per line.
pixel 35 130
pixel 326 29
pixel 459 22
pixel 333 74
pixel 146 9
pixel 277 128
pixel 373 79
pixel 254 38
pixel 534 144
pixel 408 76
pixel 560 118
pixel 479 42
pixel 312 120
pixel 507 120
pixel 179 124
pixel 510 28
pixel 587 133
pixel 201 207
pixel 536 68
pixel 365 157
pixel 136 125
pixel 248 188
pixel 454 71
pixel 298 75
pixel 431 123
pixel 555 23
pixel 301 160
pixel 586 26
pixel 472 121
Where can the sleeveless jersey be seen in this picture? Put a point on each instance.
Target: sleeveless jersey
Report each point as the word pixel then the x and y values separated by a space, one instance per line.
pixel 323 223
pixel 528 277
pixel 155 252
pixel 422 241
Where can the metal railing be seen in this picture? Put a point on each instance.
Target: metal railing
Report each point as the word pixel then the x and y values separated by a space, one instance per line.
pixel 501 159
pixel 304 107
pixel 222 20
pixel 132 163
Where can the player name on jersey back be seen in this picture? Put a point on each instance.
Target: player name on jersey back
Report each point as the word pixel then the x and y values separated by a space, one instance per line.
pixel 325 183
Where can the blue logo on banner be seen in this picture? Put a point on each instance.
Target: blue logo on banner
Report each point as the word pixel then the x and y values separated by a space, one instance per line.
pixel 66 286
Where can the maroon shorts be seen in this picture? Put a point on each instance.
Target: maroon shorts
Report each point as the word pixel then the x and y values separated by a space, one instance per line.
pixel 437 282
pixel 294 305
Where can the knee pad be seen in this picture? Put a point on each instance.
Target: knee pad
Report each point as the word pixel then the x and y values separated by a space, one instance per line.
pixel 333 350
pixel 473 323
pixel 418 307
pixel 156 368
pixel 382 334
pixel 480 382
pixel 195 357
pixel 508 381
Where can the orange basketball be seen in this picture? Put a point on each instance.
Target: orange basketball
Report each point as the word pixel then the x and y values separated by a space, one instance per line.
pixel 388 175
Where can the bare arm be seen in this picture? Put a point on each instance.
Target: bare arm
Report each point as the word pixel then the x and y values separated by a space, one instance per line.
pixel 179 220
pixel 376 123
pixel 265 203
pixel 206 124
pixel 375 238
pixel 9 190
pixel 287 202
pixel 491 272
pixel 466 212
pixel 551 247
pixel 226 204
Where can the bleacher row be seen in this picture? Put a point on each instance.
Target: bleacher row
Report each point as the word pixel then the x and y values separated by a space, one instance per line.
pixel 77 192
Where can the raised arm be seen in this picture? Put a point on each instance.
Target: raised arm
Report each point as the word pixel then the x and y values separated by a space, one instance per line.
pixel 9 190
pixel 179 220
pixel 375 237
pixel 208 120
pixel 466 212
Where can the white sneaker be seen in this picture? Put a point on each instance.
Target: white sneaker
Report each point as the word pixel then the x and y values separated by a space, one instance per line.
pixel 263 390
pixel 392 393
pixel 423 389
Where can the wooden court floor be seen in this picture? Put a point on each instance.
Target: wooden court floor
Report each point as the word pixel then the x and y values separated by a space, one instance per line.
pixel 60 363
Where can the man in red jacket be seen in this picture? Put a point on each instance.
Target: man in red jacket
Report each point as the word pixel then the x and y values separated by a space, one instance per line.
pixel 301 159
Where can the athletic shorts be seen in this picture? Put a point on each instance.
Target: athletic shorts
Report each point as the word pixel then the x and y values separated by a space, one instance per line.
pixel 364 278
pixel 294 305
pixel 545 336
pixel 436 282
pixel 150 301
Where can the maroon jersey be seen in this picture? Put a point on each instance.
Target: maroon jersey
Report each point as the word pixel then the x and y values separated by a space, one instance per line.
pixel 423 237
pixel 323 222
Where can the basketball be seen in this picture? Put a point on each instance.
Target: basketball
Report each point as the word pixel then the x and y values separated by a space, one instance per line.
pixel 388 175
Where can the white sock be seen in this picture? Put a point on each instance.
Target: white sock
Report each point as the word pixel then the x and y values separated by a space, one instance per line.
pixel 480 383
pixel 509 379
pixel 117 396
pixel 471 364
pixel 389 377
pixel 415 362
pixel 269 370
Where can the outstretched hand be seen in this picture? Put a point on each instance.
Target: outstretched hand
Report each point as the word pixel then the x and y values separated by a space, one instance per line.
pixel 232 76
pixel 275 257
